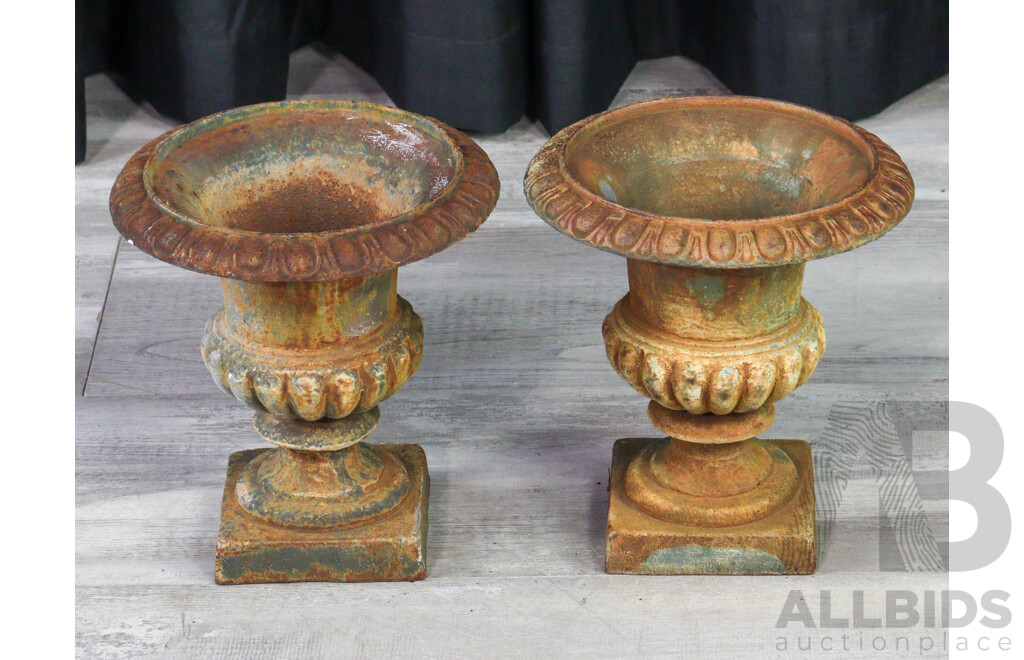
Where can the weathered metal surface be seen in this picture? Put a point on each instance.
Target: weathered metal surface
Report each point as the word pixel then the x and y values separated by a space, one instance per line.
pixel 711 429
pixel 350 188
pixel 784 541
pixel 392 548
pixel 719 182
pixel 716 202
pixel 323 435
pixel 749 343
pixel 313 350
pixel 710 485
pixel 306 209
pixel 321 475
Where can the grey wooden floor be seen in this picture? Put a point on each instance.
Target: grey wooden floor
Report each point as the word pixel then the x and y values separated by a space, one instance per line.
pixel 517 409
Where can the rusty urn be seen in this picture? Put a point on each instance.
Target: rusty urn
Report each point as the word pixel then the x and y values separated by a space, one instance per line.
pixel 716 202
pixel 305 210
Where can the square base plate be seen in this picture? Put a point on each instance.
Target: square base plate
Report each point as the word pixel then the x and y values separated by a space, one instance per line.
pixel 390 549
pixel 783 543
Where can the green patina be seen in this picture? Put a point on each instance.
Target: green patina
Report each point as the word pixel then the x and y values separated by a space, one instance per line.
pixel 699 559
pixel 251 551
pixel 337 562
pixel 708 289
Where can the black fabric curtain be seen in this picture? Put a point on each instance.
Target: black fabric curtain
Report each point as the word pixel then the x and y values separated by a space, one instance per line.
pixel 479 65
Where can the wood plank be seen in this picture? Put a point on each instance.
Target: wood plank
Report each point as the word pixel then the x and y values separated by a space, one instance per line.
pixel 117 127
pixel 600 616
pixel 96 244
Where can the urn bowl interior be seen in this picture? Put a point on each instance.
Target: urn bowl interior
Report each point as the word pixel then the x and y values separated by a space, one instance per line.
pixel 297 167
pixel 719 158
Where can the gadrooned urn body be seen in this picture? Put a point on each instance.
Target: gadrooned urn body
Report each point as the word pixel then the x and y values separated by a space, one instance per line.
pixel 306 209
pixel 717 202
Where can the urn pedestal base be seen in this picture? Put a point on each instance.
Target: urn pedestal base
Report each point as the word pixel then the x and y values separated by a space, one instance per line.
pixel 387 549
pixel 784 542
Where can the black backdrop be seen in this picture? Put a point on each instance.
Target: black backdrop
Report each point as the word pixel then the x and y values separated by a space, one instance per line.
pixel 480 64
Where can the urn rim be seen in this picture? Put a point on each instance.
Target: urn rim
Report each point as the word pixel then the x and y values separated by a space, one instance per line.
pixel 861 214
pixel 168 232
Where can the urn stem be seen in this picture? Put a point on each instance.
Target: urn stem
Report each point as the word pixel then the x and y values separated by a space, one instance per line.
pixel 712 470
pixel 335 480
pixel 320 474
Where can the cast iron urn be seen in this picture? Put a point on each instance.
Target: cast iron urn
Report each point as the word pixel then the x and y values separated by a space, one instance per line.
pixel 305 210
pixel 716 202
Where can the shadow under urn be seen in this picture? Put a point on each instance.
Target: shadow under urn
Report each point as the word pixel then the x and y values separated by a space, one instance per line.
pixel 717 203
pixel 305 210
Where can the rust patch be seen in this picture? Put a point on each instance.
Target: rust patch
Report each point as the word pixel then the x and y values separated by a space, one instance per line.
pixel 784 542
pixel 357 188
pixel 313 204
pixel 731 175
pixel 252 551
